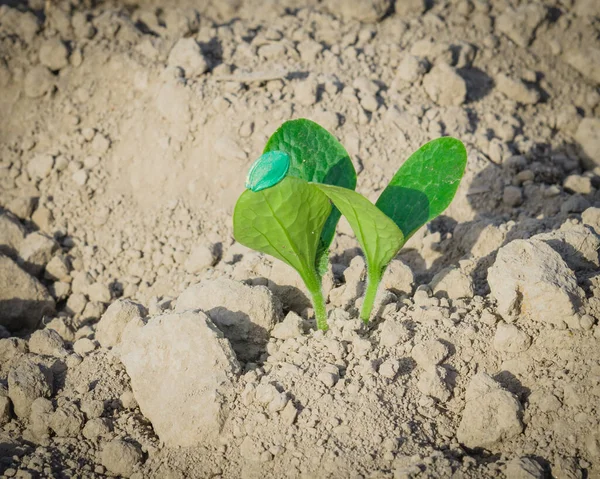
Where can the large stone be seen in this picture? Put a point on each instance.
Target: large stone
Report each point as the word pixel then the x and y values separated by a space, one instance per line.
pixel 491 414
pixel 245 314
pixel 510 339
pixel 368 11
pixel 121 457
pixel 586 60
pixel 520 24
pixel 36 252
pixel 113 322
pixel 12 234
pixel 23 299
pixel 445 86
pixel 27 382
pixel 181 369
pixel 578 246
pixel 187 55
pixel 588 137
pixel 530 279
pixel 453 283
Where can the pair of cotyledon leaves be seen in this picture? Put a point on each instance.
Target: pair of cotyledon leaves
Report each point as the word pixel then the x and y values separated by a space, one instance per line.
pixel 305 178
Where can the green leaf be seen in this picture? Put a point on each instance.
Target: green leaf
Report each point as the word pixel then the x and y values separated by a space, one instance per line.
pixel 268 170
pixel 378 236
pixel 424 185
pixel 315 156
pixel 286 221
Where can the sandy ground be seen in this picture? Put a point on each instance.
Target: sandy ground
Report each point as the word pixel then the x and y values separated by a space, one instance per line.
pixel 138 339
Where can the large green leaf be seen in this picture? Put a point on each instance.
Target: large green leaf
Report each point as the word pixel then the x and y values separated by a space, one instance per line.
pixel 284 221
pixel 424 185
pixel 315 156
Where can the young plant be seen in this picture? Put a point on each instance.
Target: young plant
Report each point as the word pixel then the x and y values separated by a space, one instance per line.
pixel 289 218
pixel 304 180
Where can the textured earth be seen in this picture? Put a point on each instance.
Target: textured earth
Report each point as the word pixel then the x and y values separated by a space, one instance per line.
pixel 138 339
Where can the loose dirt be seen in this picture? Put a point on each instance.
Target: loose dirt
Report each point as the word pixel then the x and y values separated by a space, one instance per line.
pixel 138 339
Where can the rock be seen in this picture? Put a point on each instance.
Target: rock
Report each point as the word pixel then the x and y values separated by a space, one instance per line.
pixel 27 382
pixel 100 145
pixel 491 414
pixel 588 137
pixel 520 24
pixel 245 314
pixel 586 60
pixel 445 86
pixel 346 295
pixel 38 81
pixel 23 299
pixel 510 339
pixel 92 408
pixel 96 429
pixel 5 414
pixel 80 177
pixel 393 332
pixel 12 234
pixel 47 342
pixel 575 204
pixel 512 196
pixel 290 327
pixel 110 327
pixel 530 279
pixel 84 346
pixel 54 54
pixel 186 54
pixel 128 400
pixel 200 258
pixel 120 457
pixel 76 303
pixel 58 269
pixel 40 166
pixel 36 252
pixel 99 292
pixel 516 90
pixel 305 91
pixel 453 283
pixel 67 421
pixel 22 206
pixel 410 7
pixel 578 184
pixel 578 246
pixel 412 68
pixel 398 278
pixel 432 382
pixel 62 328
pixel 181 369
pixel 591 217
pixel 327 378
pixel 39 419
pixel 43 218
pixel 430 353
pixel 524 468
pixel 367 11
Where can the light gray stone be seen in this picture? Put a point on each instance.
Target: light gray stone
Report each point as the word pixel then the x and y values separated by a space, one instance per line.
pixel 23 299
pixel 491 414
pixel 181 369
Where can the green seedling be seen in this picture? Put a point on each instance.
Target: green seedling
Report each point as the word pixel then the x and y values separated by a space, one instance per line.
pixel 304 180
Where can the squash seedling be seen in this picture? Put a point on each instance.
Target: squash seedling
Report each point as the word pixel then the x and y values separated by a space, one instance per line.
pixel 304 180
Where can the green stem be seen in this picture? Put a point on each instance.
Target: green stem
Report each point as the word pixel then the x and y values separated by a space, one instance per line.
pixel 313 284
pixel 373 279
